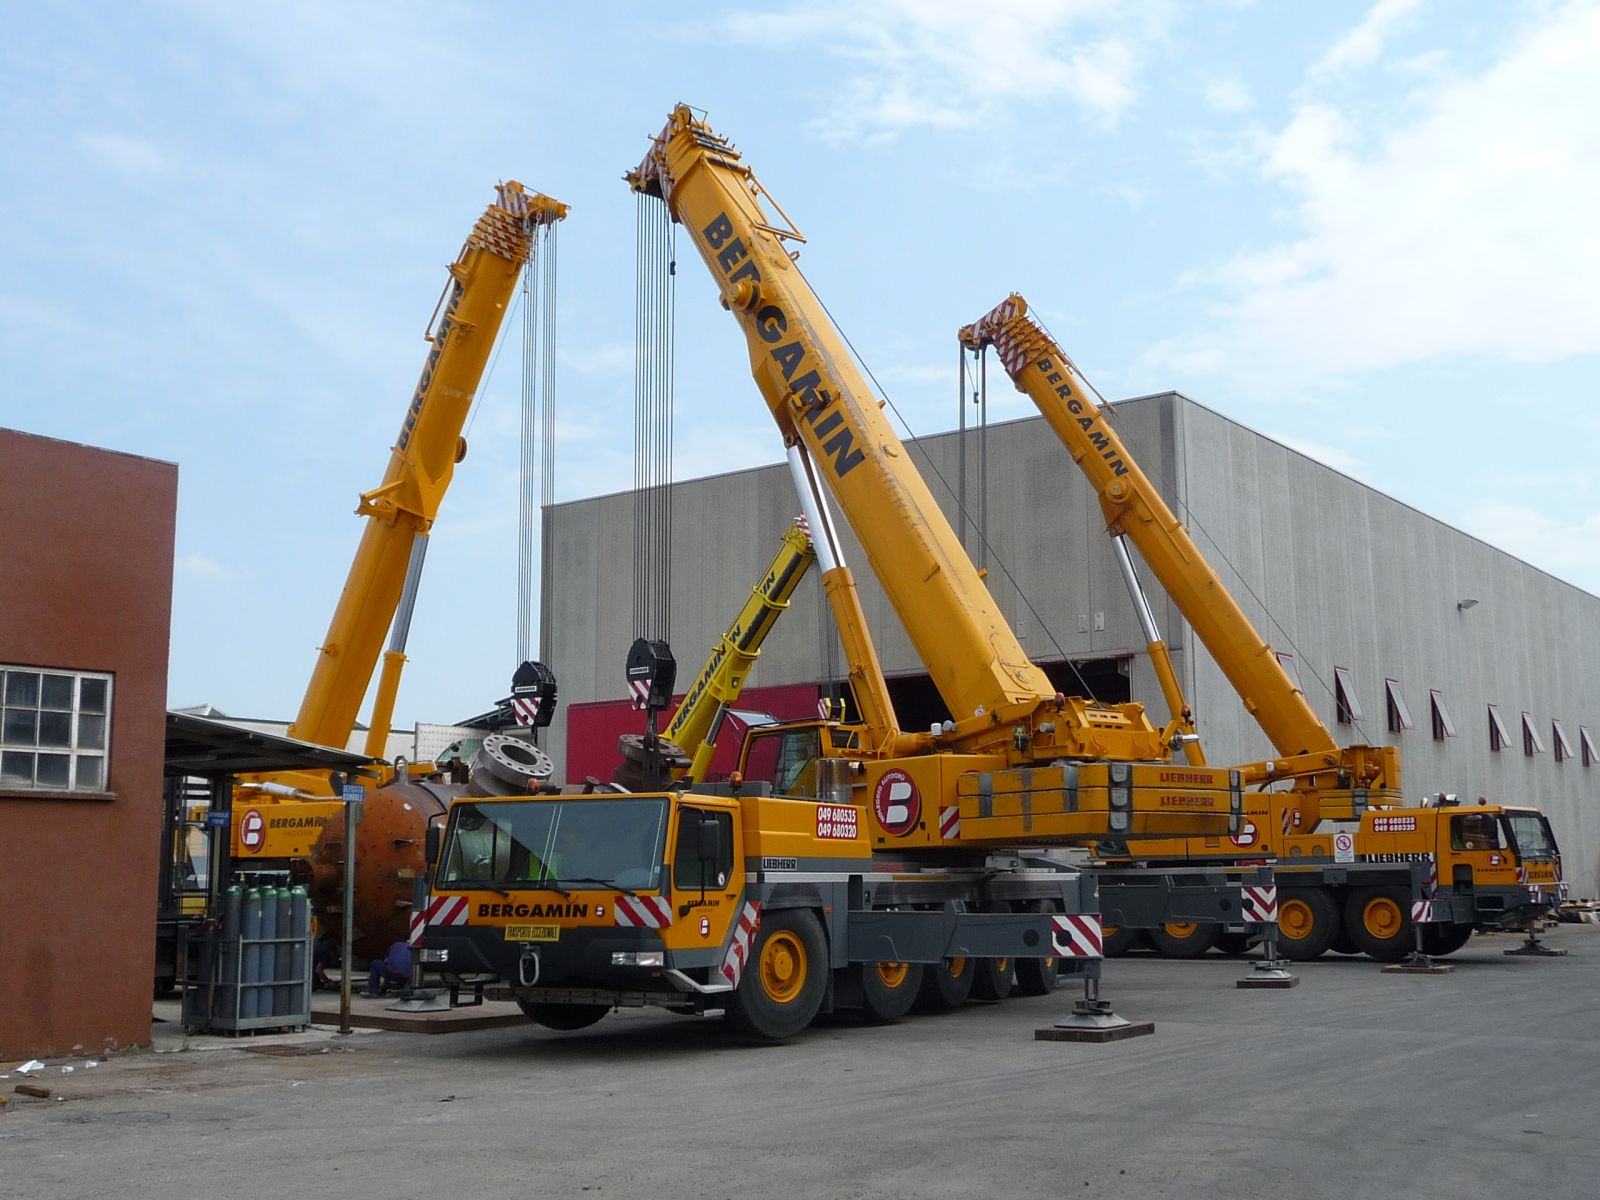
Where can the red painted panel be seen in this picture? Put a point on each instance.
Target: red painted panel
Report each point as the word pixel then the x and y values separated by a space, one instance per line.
pixel 594 728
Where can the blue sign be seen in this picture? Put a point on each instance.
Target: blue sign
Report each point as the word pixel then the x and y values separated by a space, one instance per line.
pixel 218 818
pixel 354 793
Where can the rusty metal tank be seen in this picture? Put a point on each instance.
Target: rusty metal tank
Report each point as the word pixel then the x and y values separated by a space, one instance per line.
pixel 391 839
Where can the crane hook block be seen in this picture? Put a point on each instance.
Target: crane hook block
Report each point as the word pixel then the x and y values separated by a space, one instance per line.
pixel 652 672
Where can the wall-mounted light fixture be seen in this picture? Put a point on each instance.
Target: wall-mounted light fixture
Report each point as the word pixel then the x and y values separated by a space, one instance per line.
pixel 1463 605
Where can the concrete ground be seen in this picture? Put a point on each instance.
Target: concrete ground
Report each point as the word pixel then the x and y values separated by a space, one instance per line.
pixel 1352 1085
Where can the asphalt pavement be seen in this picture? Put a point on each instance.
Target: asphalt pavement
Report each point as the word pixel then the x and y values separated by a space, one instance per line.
pixel 1352 1085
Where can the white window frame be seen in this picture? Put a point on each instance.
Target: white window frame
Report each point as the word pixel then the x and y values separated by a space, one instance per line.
pixel 1558 736
pixel 1443 725
pixel 1346 701
pixel 1397 713
pixel 1499 735
pixel 78 754
pixel 1286 661
pixel 1532 743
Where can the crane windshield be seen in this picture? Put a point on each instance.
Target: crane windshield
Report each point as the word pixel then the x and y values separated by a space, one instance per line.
pixel 536 843
pixel 1531 836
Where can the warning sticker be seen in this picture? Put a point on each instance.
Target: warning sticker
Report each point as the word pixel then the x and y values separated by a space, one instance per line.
pixel 836 821
pixel 1344 847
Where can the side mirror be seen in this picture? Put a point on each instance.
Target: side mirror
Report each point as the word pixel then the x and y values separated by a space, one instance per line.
pixel 431 845
pixel 708 840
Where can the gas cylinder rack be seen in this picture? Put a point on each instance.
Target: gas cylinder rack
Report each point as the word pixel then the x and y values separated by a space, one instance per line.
pixel 256 969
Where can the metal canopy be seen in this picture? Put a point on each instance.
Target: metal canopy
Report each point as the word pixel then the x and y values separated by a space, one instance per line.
pixel 198 746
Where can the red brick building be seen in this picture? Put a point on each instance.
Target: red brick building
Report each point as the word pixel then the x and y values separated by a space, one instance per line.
pixel 86 549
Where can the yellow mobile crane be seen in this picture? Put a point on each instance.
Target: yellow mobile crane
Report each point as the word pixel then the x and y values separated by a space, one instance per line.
pixel 1403 866
pixel 279 818
pixel 898 862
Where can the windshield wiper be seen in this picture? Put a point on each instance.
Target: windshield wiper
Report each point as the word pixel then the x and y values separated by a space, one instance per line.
pixel 610 883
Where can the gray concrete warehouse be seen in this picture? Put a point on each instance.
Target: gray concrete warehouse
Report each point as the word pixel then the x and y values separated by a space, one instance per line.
pixel 1401 629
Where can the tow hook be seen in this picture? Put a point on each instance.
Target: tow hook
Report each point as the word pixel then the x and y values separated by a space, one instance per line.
pixel 529 956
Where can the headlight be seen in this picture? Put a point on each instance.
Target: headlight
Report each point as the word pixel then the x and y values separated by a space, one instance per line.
pixel 638 958
pixel 439 955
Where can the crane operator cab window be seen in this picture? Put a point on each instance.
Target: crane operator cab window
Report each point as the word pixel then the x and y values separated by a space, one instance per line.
pixel 576 844
pixel 1474 831
pixel 1531 837
pixel 786 759
pixel 697 864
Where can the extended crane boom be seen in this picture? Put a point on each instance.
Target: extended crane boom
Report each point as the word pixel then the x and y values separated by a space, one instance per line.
pixel 698 721
pixel 1330 780
pixel 1000 700
pixel 380 587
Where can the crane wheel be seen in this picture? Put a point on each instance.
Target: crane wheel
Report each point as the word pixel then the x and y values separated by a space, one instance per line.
pixel 1439 940
pixel 565 1017
pixel 1308 923
pixel 782 988
pixel 1185 939
pixel 1379 922
pixel 946 985
pixel 1037 976
pixel 1234 945
pixel 888 990
pixel 1117 940
pixel 991 978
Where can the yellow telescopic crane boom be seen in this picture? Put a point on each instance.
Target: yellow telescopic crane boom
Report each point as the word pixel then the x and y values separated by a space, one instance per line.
pixel 381 586
pixel 694 728
pixel 1330 777
pixel 1001 701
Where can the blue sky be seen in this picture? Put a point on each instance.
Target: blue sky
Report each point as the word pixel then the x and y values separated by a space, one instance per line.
pixel 1364 229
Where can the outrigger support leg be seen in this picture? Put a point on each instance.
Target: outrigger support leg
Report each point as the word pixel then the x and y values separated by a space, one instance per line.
pixel 1092 1019
pixel 1533 947
pixel 1269 971
pixel 1261 901
pixel 1418 962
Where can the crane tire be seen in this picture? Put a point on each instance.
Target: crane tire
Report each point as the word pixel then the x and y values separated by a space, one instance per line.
pixel 1185 939
pixel 1308 923
pixel 1234 945
pixel 888 990
pixel 565 1017
pixel 787 975
pixel 946 984
pixel 1440 940
pixel 991 978
pixel 1379 922
pixel 1118 940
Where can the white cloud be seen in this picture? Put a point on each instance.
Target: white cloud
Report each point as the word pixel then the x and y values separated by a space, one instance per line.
pixel 934 63
pixel 1467 232
pixel 196 564
pixel 1363 44
pixel 1565 549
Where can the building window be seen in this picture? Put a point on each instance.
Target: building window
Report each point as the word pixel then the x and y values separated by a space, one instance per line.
pixel 1347 703
pixel 1443 726
pixel 55 729
pixel 1532 743
pixel 1286 661
pixel 1558 736
pixel 1399 715
pixel 1499 736
pixel 1586 744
